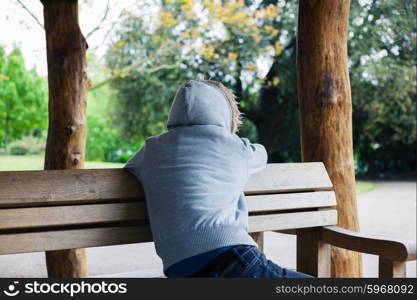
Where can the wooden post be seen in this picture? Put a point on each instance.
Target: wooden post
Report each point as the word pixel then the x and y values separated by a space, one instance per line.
pixel 391 269
pixel 258 237
pixel 326 110
pixel 313 256
pixel 68 84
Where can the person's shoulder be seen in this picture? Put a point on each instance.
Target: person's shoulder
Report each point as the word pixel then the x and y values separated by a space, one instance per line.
pixel 155 138
pixel 237 143
pixel 242 142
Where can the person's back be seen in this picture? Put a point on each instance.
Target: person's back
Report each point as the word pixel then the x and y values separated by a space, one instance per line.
pixel 193 177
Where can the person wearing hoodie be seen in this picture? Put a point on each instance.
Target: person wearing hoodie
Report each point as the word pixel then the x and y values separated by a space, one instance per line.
pixel 193 177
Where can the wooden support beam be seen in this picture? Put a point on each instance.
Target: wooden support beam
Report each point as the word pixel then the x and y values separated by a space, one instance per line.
pixel 68 84
pixel 259 239
pixel 391 269
pixel 313 256
pixel 326 110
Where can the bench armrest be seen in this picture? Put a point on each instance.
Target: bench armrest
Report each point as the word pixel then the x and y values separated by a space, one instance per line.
pixel 393 250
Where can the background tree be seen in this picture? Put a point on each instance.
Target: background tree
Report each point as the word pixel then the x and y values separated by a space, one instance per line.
pixel 382 48
pixel 159 44
pixel 66 50
pixel 23 98
pixel 275 109
pixel 187 40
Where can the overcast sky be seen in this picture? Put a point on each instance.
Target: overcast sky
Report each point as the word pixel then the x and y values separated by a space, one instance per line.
pixel 19 28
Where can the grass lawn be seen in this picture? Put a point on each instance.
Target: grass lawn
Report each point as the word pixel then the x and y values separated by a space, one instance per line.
pixel 16 163
pixel 364 187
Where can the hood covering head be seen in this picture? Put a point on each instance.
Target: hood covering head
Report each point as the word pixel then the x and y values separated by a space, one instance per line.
pixel 200 103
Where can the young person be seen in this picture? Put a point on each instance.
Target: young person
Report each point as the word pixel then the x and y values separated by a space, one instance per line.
pixel 193 177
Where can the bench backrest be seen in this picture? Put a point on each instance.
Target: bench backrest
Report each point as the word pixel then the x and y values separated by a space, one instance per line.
pixel 64 209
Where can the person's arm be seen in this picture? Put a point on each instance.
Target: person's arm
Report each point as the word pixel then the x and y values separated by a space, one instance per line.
pixel 257 156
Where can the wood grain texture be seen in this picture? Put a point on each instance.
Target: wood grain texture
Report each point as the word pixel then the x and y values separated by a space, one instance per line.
pixel 395 250
pixel 289 177
pixel 391 269
pixel 326 109
pixel 15 218
pixel 59 187
pixel 280 221
pixel 66 51
pixel 92 237
pixel 313 256
pixel 50 216
pixel 77 238
pixel 67 263
pixel 261 203
pixel 258 237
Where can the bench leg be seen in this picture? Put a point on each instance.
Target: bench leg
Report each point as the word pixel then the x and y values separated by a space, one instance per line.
pixel 259 239
pixel 313 256
pixel 69 263
pixel 391 269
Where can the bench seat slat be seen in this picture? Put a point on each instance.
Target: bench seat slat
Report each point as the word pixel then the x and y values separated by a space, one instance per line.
pixel 66 209
pixel 93 237
pixel 49 216
pixel 289 177
pixel 14 218
pixel 293 220
pixel 261 203
pixel 62 187
pixel 74 238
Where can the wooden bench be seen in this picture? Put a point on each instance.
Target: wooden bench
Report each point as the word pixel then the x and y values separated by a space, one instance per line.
pixel 64 209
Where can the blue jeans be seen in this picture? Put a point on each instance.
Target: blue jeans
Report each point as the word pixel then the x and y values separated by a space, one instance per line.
pixel 245 261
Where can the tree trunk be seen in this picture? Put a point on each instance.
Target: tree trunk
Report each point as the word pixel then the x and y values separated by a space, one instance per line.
pixel 68 85
pixel 326 110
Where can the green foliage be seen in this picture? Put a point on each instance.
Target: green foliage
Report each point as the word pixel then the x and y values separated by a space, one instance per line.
pixel 248 129
pixel 27 145
pixel 101 139
pixel 23 98
pixel 36 162
pixel 178 44
pixel 382 48
pixel 122 156
pixel 104 138
pixel 273 108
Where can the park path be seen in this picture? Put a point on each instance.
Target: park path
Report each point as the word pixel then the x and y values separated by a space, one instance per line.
pixel 389 210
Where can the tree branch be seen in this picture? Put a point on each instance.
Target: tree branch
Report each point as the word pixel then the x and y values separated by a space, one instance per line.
pixel 29 12
pixel 101 21
pixel 121 73
pixel 138 63
pixel 160 67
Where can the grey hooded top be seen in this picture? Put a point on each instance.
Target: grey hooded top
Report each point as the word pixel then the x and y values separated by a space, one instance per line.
pixel 194 174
